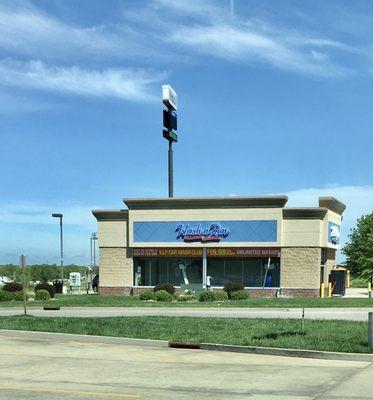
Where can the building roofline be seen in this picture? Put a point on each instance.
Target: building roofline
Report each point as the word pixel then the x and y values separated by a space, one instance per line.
pixel 110 215
pixel 331 203
pixel 304 213
pixel 206 202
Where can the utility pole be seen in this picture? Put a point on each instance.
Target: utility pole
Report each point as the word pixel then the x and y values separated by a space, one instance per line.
pixel 90 242
pixel 170 123
pixel 60 216
pixel 93 252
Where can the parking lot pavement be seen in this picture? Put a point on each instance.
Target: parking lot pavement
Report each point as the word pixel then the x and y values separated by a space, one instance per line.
pixel 349 314
pixel 357 293
pixel 56 368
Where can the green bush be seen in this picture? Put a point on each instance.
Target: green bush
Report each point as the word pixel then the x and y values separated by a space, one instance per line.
pixel 5 296
pixel 13 287
pixel 17 296
pixel 220 296
pixel 164 286
pixel 186 297
pixel 42 295
pixel 46 286
pixel 162 295
pixel 210 295
pixel 207 296
pixel 233 287
pixel 147 295
pixel 239 295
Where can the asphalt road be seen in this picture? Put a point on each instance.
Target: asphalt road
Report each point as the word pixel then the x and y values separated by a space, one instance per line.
pixel 57 367
pixel 351 314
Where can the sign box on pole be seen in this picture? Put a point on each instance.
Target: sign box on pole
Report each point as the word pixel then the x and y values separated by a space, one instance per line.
pixel 169 97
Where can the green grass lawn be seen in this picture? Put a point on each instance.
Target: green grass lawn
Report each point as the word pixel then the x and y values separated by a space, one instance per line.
pixel 359 283
pixel 340 336
pixel 133 301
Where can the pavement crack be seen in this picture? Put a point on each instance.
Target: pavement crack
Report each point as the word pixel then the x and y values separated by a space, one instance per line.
pixel 344 378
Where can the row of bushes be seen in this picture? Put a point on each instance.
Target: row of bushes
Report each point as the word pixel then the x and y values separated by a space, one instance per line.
pixel 163 295
pixel 14 291
pixel 18 287
pixel 166 292
pixel 5 295
pixel 229 288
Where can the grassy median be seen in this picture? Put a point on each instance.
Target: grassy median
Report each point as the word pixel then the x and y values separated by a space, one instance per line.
pixel 254 302
pixel 340 336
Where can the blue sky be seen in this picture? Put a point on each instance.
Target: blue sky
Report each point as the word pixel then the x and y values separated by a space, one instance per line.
pixel 275 97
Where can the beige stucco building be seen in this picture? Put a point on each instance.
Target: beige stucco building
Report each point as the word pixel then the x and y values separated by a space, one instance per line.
pixel 258 241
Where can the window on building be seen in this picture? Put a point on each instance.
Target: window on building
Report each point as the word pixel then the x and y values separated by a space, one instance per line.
pixel 251 272
pixel 151 271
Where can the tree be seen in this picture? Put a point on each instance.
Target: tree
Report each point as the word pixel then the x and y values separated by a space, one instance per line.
pixel 359 248
pixel 39 272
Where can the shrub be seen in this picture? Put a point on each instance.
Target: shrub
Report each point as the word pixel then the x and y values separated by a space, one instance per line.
pixel 233 287
pixel 220 296
pixel 162 295
pixel 186 297
pixel 207 296
pixel 210 295
pixel 46 286
pixel 17 296
pixel 164 286
pixel 147 295
pixel 5 296
pixel 239 295
pixel 42 294
pixel 13 287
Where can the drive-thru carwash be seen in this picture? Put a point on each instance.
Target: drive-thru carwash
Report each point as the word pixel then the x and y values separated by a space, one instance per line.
pixel 258 241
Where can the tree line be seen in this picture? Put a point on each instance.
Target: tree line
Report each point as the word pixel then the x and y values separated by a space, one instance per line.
pixel 40 272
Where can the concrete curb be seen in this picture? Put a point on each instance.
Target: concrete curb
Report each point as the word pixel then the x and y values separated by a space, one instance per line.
pixel 82 338
pixel 271 351
pixel 323 355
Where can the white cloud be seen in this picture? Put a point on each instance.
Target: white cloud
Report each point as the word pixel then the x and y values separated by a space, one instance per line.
pixel 248 44
pixel 150 32
pixel 26 30
pixel 128 84
pixel 209 28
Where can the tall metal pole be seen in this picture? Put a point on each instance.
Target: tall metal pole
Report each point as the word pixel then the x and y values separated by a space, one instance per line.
pixel 170 170
pixel 61 241
pixel 94 254
pixel 22 261
pixel 91 263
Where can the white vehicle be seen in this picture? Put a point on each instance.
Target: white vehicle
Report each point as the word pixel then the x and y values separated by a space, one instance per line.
pixel 4 280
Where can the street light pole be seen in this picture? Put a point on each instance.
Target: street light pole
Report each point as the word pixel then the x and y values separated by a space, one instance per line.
pixel 60 216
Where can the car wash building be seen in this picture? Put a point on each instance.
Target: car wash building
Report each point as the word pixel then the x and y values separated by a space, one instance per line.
pixel 258 241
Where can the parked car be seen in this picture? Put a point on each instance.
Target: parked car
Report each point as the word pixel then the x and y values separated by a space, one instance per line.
pixel 95 283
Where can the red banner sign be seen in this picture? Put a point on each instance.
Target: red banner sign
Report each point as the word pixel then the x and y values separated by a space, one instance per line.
pixel 211 252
